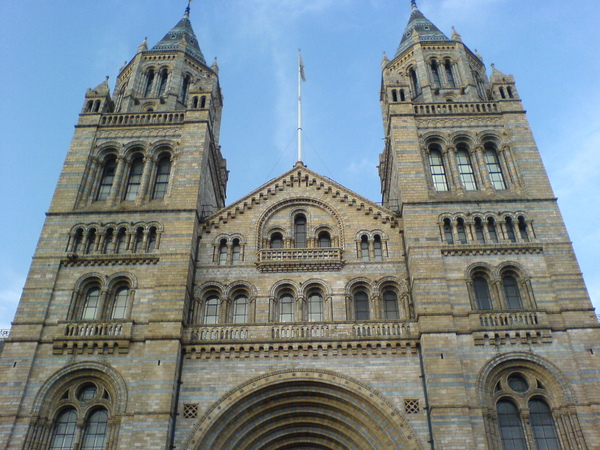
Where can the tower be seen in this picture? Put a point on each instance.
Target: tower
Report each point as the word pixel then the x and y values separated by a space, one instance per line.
pixel 303 315
pixel 490 261
pixel 112 271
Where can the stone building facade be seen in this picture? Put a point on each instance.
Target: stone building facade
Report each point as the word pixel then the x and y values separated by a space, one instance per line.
pixel 303 315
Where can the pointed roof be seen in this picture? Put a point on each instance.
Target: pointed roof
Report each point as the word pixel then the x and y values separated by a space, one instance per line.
pixel 181 37
pixel 425 30
pixel 300 183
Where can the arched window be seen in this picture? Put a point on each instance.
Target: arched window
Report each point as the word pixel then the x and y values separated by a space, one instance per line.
pixel 465 168
pixel 82 419
pixel 523 229
pixel 91 303
pixel 449 74
pixel 185 82
pixel 482 293
pixel 77 241
pixel 361 306
pixel 223 252
pixel 492 230
pixel 203 101
pixel 511 292
pixel 414 80
pixel 152 238
pixel 377 248
pixel 163 173
pixel 138 240
pixel 542 423
pixel 286 308
pixel 119 303
pixel 211 310
pixel 94 434
pixel 390 306
pixel 315 307
pixel 510 230
pixel 438 172
pixel 448 232
pixel 108 177
pixel 240 309
pixel 510 92
pixel 435 73
pixel 479 233
pixel 300 231
pixel 121 242
pixel 524 417
pixel 276 240
pixel 324 240
pixel 502 94
pixel 162 87
pixel 235 251
pixel 394 95
pixel 461 231
pixel 63 435
pixel 135 178
pixel 511 427
pixel 149 82
pixel 90 245
pixel 109 236
pixel 493 166
pixel 402 95
pixel 364 247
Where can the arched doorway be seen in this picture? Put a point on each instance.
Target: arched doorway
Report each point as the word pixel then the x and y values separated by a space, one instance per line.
pixel 303 410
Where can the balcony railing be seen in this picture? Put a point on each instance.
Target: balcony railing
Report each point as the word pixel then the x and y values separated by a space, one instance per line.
pixel 512 319
pixel 302 332
pixel 299 259
pixel 456 108
pixel 142 119
pixel 94 329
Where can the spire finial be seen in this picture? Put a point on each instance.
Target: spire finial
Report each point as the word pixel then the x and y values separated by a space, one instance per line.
pixel 414 4
pixel 186 15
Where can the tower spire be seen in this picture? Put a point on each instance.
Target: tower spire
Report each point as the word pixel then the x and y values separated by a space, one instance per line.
pixel 414 4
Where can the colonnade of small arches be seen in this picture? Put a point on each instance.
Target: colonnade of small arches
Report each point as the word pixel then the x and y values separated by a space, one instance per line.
pixel 486 228
pixel 371 245
pixel 311 301
pixel 503 287
pixel 114 238
pixel 464 165
pixel 228 249
pixel 129 173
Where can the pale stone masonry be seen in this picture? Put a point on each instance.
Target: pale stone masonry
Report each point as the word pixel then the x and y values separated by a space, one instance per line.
pixel 303 315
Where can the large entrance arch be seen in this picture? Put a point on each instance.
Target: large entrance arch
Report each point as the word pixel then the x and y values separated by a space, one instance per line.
pixel 303 410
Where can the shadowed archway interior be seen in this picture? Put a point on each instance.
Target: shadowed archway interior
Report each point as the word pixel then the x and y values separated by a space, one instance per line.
pixel 305 414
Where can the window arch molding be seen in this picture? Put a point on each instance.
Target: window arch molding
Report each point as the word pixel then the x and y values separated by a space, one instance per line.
pixel 56 395
pixel 132 148
pixel 319 310
pixel 302 203
pixel 284 288
pixel 356 286
pixel 544 381
pixel 241 285
pixel 405 308
pixel 156 149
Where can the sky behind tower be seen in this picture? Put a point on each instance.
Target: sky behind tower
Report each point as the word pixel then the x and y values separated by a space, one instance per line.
pixel 52 51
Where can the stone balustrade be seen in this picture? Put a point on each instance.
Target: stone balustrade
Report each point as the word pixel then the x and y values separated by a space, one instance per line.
pixel 302 332
pixel 142 119
pixel 299 259
pixel 456 108
pixel 93 329
pixel 512 319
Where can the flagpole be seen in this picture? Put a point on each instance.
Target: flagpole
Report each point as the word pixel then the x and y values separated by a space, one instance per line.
pixel 300 76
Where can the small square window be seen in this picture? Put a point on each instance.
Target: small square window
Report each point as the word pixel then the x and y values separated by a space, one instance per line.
pixel 412 406
pixel 190 410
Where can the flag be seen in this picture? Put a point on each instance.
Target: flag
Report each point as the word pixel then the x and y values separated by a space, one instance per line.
pixel 301 66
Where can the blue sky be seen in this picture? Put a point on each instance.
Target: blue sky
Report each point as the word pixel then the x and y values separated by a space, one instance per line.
pixel 52 51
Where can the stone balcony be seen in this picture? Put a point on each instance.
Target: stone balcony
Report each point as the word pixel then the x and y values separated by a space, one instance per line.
pixel 331 331
pixel 78 337
pixel 456 108
pixel 511 327
pixel 300 259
